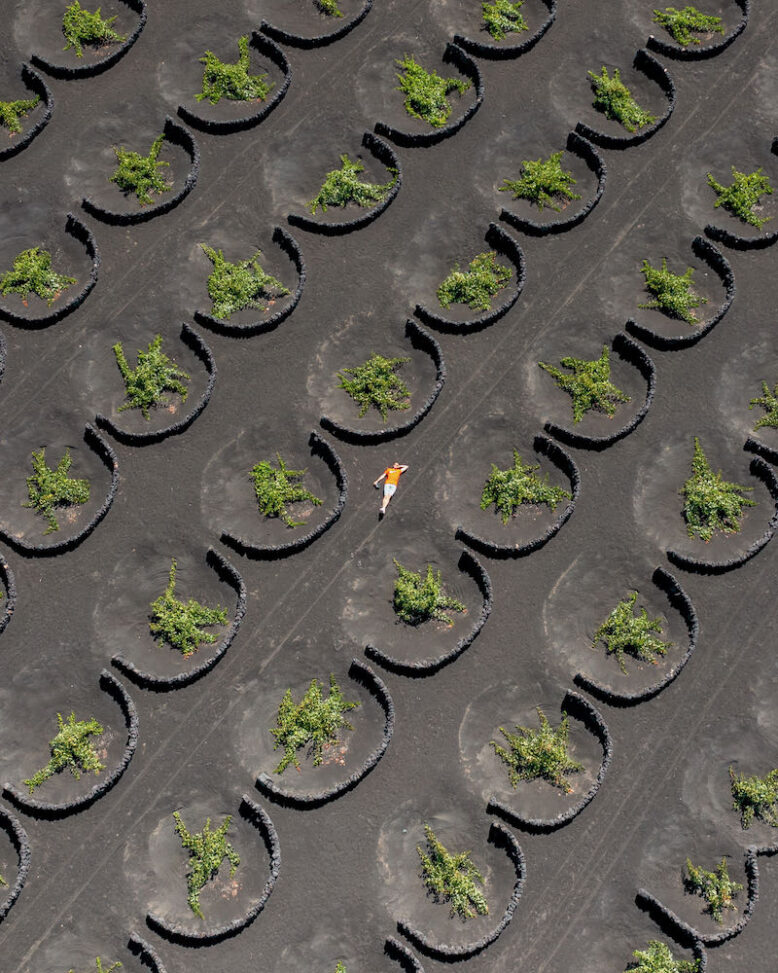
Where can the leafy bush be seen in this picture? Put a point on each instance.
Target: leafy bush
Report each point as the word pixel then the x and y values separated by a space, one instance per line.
pixel 12 111
pixel 275 487
pixel 755 797
pixel 342 187
pixel 70 748
pixel 32 274
pixel 743 195
pixel 80 27
pixel 589 385
pixel 313 722
pixel 624 632
pixel 376 383
pixel 614 99
pixel 711 503
pixel 672 292
pixel 331 9
pixel 658 959
pixel 682 24
pixel 207 850
pixel 340 968
pixel 179 624
pixel 503 17
pixel 541 182
pixel 769 402
pixel 418 599
pixel 451 878
pixel 476 286
pixel 153 375
pixel 232 81
pixel 235 287
pixel 99 968
pixel 715 887
pixel 138 173
pixel 538 753
pixel 425 92
pixel 49 488
pixel 509 489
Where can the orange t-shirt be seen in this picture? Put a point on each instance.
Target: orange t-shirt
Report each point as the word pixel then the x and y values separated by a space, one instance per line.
pixel 392 475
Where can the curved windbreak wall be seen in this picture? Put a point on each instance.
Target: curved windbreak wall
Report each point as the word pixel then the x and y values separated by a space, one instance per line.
pixel 134 438
pixel 656 72
pixel 55 811
pixel 452 55
pixel 225 126
pixel 80 232
pixel 74 70
pixel 509 49
pixel 288 245
pixel 701 51
pixel 309 41
pixel 38 87
pixel 176 135
pixel 384 154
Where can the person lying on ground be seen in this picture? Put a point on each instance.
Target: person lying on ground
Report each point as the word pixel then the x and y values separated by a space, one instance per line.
pixel 392 475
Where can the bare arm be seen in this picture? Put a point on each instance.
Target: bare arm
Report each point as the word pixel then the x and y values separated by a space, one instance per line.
pixel 376 482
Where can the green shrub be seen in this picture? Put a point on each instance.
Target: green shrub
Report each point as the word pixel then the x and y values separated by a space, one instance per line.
pixel 541 182
pixel 769 402
pixel 342 187
pixel 672 292
pixel 48 488
pixel 179 624
pixel 451 878
pixel 477 285
pixel 658 959
pixel 376 383
pixel 715 887
pixel 542 753
pixel 503 17
pixel 711 503
pixel 12 111
pixel 418 599
pixel 138 173
pixel 70 748
pixel 624 633
pixel 99 968
pixel 275 487
pixel 589 385
pixel 682 24
pixel 32 274
pixel 614 99
pixel 232 81
pixel 340 968
pixel 509 489
pixel 81 27
pixel 207 850
pixel 153 375
pixel 755 797
pixel 425 92
pixel 235 287
pixel 331 9
pixel 314 722
pixel 743 195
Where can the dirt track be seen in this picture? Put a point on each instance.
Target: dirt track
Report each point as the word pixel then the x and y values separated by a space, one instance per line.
pixel 342 885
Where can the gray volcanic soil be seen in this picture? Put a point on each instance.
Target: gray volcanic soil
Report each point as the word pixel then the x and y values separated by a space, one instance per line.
pixel 666 794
